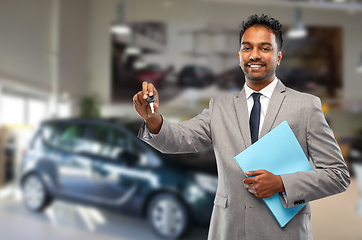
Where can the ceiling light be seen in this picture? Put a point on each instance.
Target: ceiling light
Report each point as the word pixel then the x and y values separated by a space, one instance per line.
pixel 140 64
pixel 119 26
pixel 133 51
pixel 297 33
pixel 121 29
pixel 298 30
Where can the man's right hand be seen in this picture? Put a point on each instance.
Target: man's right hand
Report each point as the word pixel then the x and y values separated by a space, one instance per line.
pixel 153 120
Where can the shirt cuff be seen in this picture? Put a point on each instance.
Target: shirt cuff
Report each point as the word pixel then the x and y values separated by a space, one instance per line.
pixel 285 197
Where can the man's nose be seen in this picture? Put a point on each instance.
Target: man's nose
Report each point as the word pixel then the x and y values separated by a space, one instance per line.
pixel 254 55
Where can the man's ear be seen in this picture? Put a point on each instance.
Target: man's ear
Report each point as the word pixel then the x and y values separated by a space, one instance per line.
pixel 280 56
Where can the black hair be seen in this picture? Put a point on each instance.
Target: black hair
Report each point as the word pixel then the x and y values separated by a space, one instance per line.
pixel 266 21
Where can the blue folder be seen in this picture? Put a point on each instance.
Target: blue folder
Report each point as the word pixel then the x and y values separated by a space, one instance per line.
pixel 280 153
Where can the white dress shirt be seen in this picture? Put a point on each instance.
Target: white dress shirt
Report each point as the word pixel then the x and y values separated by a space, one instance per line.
pixel 266 94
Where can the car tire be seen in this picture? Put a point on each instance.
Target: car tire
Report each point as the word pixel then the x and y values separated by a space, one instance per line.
pixel 168 216
pixel 35 194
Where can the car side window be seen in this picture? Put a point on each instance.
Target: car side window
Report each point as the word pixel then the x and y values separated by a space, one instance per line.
pixel 140 153
pixel 108 141
pixel 99 139
pixel 46 134
pixel 119 144
pixel 73 138
pixel 49 131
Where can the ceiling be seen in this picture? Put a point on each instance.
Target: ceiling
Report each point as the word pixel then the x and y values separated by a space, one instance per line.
pixel 347 5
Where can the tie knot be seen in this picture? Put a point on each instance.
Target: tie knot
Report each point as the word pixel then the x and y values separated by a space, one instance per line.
pixel 256 96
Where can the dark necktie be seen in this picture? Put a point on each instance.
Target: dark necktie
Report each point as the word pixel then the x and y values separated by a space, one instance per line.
pixel 255 118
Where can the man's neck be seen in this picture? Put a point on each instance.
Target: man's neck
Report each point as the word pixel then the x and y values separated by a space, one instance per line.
pixel 258 85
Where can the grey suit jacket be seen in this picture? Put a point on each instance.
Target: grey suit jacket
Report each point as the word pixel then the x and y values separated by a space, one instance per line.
pixel 237 214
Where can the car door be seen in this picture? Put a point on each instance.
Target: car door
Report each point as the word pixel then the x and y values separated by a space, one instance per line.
pixel 74 164
pixel 116 172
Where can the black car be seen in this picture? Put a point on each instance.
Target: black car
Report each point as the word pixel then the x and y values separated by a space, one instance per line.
pixel 232 79
pixel 192 75
pixel 103 163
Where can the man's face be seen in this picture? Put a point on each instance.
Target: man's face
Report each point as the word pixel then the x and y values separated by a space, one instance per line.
pixel 259 55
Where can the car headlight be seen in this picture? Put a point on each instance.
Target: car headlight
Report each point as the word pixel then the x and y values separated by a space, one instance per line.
pixel 206 182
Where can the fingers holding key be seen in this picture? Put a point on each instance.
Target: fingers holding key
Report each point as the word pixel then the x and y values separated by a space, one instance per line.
pixel 148 89
pixel 145 90
pixel 142 106
pixel 136 99
pixel 151 90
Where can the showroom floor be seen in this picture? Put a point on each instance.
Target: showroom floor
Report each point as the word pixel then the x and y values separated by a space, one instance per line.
pixel 334 218
pixel 68 221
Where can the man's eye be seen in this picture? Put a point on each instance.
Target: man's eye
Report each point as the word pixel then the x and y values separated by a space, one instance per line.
pixel 246 49
pixel 266 49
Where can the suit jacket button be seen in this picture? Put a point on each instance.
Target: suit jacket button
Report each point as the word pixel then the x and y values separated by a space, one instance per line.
pixel 299 202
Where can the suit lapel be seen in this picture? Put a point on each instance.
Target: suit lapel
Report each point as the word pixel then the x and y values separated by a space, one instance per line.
pixel 241 109
pixel 275 103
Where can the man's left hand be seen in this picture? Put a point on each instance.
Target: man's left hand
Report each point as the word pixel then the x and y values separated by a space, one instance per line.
pixel 263 184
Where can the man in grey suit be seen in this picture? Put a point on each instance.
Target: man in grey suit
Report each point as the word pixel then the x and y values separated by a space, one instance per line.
pixel 234 121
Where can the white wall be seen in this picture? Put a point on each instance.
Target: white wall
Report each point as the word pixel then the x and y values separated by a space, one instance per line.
pixel 191 13
pixel 24 42
pixel 37 48
pixel 73 47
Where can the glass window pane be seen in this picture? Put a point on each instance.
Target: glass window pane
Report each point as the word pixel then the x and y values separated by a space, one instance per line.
pixel 73 138
pixel 36 111
pixel 100 140
pixel 50 131
pixel 64 110
pixel 140 153
pixel 12 109
pixel 119 144
pixel 108 142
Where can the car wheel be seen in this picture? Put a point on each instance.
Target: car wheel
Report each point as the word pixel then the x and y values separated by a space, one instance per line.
pixel 35 195
pixel 168 216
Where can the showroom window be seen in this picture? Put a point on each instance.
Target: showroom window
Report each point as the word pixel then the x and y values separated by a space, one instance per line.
pixel 13 109
pixel 19 109
pixel 36 111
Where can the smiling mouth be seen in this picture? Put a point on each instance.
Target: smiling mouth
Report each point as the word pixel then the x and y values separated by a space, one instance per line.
pixel 255 67
pixel 251 65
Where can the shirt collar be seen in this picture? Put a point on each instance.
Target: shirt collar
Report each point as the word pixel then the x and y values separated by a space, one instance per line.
pixel 267 91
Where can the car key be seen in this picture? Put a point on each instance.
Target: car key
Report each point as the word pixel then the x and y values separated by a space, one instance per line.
pixel 150 100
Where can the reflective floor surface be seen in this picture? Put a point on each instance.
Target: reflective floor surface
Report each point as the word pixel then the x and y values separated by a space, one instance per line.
pixel 333 218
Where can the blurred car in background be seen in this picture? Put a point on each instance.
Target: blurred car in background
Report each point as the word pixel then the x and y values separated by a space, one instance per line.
pixel 103 163
pixel 152 73
pixel 297 78
pixel 231 79
pixel 192 75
